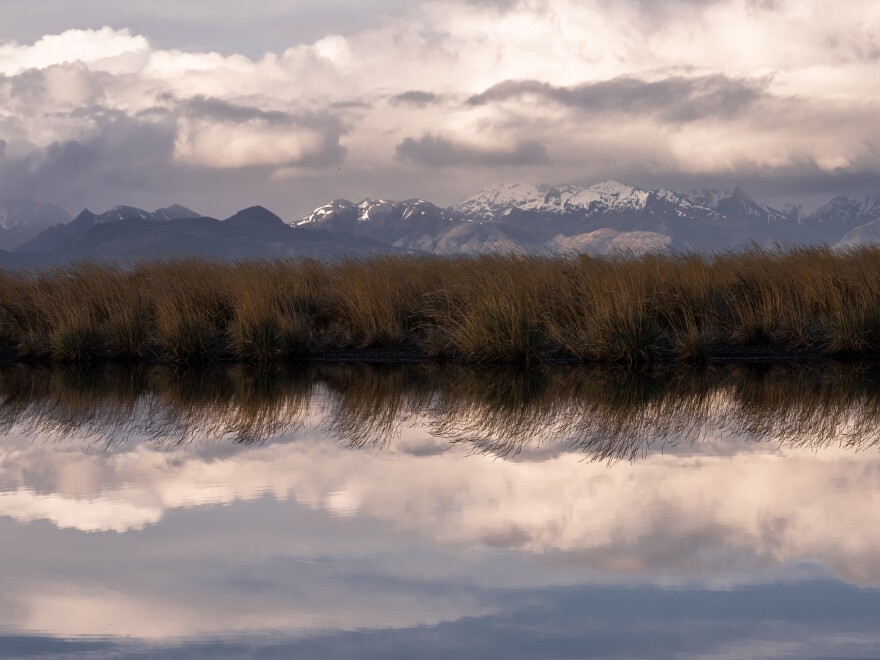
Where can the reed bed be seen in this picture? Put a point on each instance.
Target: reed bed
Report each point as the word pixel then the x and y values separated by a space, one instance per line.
pixel 492 308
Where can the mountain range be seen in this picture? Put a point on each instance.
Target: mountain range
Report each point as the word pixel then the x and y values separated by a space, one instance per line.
pixel 597 218
pixel 524 218
pixel 126 235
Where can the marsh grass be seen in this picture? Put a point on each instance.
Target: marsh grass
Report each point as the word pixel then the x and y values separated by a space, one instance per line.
pixel 488 309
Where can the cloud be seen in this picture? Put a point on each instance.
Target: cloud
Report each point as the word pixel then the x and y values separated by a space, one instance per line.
pixel 416 98
pixel 105 49
pixel 214 144
pixel 218 109
pixel 436 151
pixel 640 91
pixel 217 133
pixel 675 99
pixel 2 148
pixel 120 153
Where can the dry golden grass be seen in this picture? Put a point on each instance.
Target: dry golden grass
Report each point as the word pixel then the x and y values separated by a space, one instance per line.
pixel 494 308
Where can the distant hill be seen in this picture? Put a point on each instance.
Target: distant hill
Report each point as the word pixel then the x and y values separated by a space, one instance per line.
pixel 55 238
pixel 127 235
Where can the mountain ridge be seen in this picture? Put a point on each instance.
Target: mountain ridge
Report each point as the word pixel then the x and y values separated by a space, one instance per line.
pixel 126 234
pixel 603 217
pixel 528 217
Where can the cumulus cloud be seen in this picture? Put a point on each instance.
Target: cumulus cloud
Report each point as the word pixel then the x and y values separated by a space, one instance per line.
pixel 216 133
pixel 639 91
pixel 106 49
pixel 436 151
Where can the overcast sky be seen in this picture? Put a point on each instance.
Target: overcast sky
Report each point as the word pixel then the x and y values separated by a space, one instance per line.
pixel 220 104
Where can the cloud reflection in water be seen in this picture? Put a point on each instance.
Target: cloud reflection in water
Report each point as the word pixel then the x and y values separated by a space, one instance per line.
pixel 362 497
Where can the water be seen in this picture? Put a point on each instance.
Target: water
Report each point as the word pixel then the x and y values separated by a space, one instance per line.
pixel 354 511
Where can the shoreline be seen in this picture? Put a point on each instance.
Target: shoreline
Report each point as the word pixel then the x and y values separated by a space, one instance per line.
pixel 403 356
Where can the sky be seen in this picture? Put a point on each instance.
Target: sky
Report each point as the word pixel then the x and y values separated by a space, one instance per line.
pixel 219 105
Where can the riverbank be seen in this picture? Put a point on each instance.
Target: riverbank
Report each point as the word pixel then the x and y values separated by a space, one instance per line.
pixel 753 305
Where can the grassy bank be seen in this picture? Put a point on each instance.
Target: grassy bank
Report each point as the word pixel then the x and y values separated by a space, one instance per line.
pixel 486 309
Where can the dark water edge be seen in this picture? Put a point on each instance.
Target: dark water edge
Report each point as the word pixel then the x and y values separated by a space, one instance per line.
pixel 606 413
pixel 719 354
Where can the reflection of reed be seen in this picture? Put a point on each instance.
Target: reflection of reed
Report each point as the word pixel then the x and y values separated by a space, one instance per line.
pixel 166 405
pixel 368 404
pixel 608 414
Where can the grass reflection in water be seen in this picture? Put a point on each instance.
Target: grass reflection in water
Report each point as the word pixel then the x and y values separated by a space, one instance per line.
pixel 608 414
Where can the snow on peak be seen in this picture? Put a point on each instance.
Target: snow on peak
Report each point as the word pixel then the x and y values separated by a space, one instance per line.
pixel 612 188
pixel 504 196
pixel 325 212
pixel 123 213
pixel 605 195
pixel 609 193
pixel 368 205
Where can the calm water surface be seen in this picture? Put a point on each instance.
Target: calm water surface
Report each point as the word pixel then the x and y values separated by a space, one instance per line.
pixel 353 511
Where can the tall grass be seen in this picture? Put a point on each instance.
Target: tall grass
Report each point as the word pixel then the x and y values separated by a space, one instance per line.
pixel 493 308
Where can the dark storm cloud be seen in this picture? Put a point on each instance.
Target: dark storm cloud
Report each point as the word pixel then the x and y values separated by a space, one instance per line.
pixel 417 98
pixel 124 156
pixel 129 161
pixel 2 147
pixel 217 109
pixel 676 99
pixel 436 151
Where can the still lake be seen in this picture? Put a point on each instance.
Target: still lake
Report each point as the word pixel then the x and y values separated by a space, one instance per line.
pixel 354 511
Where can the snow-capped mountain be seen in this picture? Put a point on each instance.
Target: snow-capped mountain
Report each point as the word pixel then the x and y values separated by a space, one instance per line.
pixel 374 214
pixel 571 210
pixel 522 218
pixel 412 224
pixel 744 218
pixel 736 203
pixel 604 216
pixel 493 203
pixel 173 212
pixel 845 212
